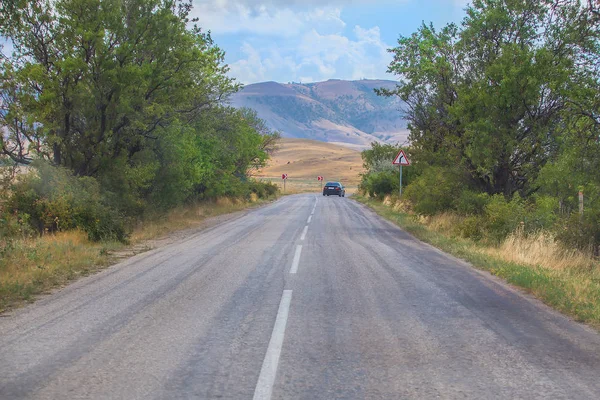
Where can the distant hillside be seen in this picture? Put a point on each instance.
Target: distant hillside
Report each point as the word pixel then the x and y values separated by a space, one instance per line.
pixel 303 160
pixel 334 111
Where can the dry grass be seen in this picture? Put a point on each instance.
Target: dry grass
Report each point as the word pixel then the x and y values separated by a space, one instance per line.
pixel 542 250
pixel 303 160
pixel 188 217
pixel 536 250
pixel 32 266
pixel 29 267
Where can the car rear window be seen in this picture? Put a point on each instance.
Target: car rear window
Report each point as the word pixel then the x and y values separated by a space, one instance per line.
pixel 332 184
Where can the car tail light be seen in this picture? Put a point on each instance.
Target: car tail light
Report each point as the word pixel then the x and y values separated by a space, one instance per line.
pixel 337 188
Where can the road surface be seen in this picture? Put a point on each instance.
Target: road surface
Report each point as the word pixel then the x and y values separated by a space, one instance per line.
pixel 310 297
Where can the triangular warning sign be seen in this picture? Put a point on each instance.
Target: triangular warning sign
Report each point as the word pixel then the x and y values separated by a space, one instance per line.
pixel 401 159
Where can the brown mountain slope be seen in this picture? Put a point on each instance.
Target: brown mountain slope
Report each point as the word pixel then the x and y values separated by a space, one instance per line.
pixel 334 111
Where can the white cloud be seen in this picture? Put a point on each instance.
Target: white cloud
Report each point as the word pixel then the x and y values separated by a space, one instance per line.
pixel 317 56
pixel 237 17
pixel 293 3
pixel 281 41
pixel 250 69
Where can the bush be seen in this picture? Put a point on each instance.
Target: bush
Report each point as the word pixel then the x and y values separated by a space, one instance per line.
pixel 52 199
pixel 581 231
pixel 503 217
pixel 471 203
pixel 471 227
pixel 236 188
pixel 263 190
pixel 543 214
pixel 380 184
pixel 435 190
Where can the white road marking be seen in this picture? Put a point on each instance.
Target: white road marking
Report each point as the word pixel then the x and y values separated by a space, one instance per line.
pixel 266 379
pixel 296 261
pixel 309 219
pixel 304 233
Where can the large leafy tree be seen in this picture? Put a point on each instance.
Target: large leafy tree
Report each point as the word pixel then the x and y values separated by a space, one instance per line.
pixel 498 94
pixel 129 92
pixel 103 79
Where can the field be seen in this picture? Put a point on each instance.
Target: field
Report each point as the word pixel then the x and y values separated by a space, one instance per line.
pixel 303 160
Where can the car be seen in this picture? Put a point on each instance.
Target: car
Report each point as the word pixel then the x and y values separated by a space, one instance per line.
pixel 334 188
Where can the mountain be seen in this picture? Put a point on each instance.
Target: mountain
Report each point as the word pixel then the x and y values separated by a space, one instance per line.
pixel 334 111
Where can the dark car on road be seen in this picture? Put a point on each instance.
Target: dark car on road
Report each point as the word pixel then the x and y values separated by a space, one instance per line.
pixel 334 188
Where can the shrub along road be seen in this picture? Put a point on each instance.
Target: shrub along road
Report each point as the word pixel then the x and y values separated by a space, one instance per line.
pixel 309 297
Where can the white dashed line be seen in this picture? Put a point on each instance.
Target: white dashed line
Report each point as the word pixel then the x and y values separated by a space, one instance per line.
pixel 296 261
pixel 304 233
pixel 266 379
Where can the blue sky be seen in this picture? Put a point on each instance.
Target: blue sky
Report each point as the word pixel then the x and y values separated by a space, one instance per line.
pixel 315 40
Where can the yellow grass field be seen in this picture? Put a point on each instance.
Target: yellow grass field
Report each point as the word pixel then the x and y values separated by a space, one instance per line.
pixel 303 160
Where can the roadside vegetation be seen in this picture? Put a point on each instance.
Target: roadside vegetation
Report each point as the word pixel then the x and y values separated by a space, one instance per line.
pixel 564 278
pixel 31 265
pixel 113 117
pixel 504 114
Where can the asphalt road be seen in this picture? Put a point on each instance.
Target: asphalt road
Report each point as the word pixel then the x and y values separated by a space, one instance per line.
pixel 239 311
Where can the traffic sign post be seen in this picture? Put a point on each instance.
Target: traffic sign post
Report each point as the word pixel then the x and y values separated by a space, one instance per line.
pixel 401 160
pixel 284 178
pixel 320 179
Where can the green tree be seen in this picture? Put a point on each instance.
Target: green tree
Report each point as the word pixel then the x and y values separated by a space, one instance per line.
pixel 130 95
pixel 496 94
pixel 104 77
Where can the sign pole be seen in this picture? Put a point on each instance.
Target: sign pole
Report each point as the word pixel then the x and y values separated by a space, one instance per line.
pixel 400 180
pixel 284 185
pixel 401 160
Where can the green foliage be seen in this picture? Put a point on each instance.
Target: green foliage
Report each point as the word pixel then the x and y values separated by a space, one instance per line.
pixel 434 190
pixel 496 94
pixel 380 184
pixel 382 177
pixel 581 231
pixel 263 190
pixel 127 100
pixel 472 227
pixel 52 199
pixel 511 96
pixel 379 154
pixel 471 203
pixel 503 217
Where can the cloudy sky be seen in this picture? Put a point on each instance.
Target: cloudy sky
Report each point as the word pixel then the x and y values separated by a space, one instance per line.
pixel 315 40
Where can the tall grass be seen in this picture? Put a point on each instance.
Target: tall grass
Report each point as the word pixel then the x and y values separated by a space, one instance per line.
pixel 542 250
pixel 34 265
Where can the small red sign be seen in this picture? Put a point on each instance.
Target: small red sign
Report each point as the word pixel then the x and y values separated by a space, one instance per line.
pixel 319 178
pixel 283 176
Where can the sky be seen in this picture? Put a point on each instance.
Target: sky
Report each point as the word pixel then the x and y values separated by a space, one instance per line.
pixel 315 40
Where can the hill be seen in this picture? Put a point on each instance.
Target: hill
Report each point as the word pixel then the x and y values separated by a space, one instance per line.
pixel 334 111
pixel 303 160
